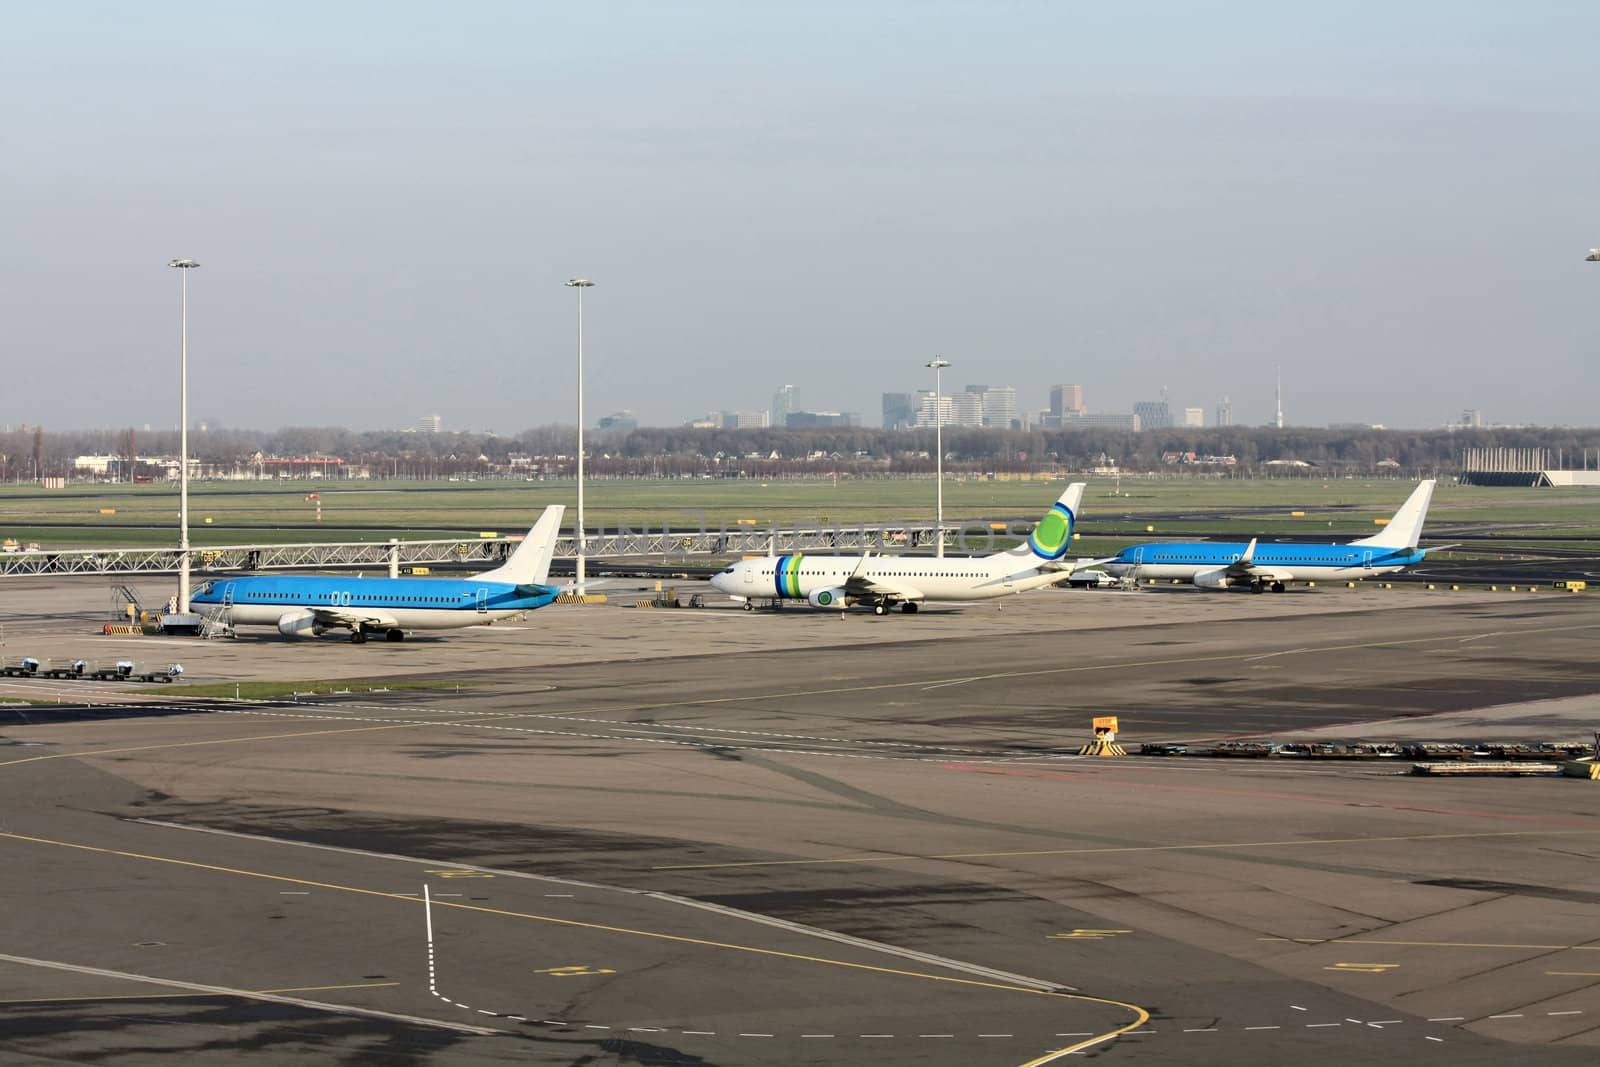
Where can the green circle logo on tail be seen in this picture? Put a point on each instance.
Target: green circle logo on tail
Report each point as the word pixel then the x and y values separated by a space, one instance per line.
pixel 1053 535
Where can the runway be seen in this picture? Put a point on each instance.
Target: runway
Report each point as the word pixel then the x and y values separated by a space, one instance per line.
pixel 715 837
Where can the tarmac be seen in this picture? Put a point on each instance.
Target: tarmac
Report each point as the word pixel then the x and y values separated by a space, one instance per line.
pixel 614 835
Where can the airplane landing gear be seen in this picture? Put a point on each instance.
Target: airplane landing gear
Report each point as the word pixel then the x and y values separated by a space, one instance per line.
pixel 1257 587
pixel 395 635
pixel 1277 587
pixel 358 636
pixel 880 608
pixel 908 608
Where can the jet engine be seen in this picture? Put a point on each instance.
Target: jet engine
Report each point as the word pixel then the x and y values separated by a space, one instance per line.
pixel 300 623
pixel 828 598
pixel 1216 578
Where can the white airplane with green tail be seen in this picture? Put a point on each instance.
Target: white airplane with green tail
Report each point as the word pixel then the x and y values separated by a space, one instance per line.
pixel 881 582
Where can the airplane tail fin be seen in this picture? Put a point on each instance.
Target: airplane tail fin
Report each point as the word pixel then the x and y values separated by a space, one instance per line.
pixel 1052 537
pixel 530 563
pixel 1405 529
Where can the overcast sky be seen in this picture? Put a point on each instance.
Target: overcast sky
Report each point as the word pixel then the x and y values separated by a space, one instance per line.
pixel 1391 200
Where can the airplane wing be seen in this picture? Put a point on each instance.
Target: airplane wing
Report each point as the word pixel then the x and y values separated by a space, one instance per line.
pixel 1068 567
pixel 346 617
pixel 1244 568
pixel 858 585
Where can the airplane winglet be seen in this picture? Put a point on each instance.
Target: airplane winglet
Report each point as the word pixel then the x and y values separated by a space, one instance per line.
pixel 1250 552
pixel 857 572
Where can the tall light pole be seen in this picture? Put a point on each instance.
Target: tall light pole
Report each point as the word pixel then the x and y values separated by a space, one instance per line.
pixel 938 366
pixel 184 266
pixel 580 284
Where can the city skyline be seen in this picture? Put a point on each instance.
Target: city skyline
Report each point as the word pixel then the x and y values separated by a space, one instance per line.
pixel 386 209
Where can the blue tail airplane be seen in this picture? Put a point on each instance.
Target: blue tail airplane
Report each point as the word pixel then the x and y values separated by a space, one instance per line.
pixel 309 605
pixel 1259 567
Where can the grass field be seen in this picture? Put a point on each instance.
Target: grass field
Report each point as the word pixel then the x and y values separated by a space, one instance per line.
pixel 251 513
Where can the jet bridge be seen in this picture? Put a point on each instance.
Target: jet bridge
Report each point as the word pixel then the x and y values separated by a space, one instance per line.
pixel 662 545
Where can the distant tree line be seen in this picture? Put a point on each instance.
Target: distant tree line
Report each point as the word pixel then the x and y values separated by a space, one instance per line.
pixel 676 452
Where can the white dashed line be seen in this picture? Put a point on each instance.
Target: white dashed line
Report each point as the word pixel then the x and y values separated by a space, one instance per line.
pixel 1263 1028
pixel 1448 1019
pixel 1516 1016
pixel 1438 1039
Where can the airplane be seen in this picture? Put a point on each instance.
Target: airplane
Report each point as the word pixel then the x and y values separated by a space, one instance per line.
pixel 1259 567
pixel 837 582
pixel 309 605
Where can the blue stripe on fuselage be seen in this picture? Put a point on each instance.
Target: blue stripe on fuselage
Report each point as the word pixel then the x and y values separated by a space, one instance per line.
pixel 424 594
pixel 1221 554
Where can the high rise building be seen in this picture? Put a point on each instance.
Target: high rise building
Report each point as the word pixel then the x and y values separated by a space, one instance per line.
pixel 1067 400
pixel 1224 412
pixel 998 404
pixel 928 412
pixel 783 402
pixel 1194 416
pixel 966 408
pixel 1153 414
pixel 430 423
pixel 899 411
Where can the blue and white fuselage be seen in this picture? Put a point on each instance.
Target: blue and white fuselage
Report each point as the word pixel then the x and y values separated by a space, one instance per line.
pixel 1258 567
pixel 308 605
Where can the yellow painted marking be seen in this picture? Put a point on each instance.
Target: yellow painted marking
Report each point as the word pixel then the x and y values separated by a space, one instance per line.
pixel 175 996
pixel 456 872
pixel 1087 935
pixel 1363 968
pixel 572 923
pixel 1576 974
pixel 574 971
pixel 1112 850
pixel 1142 1017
